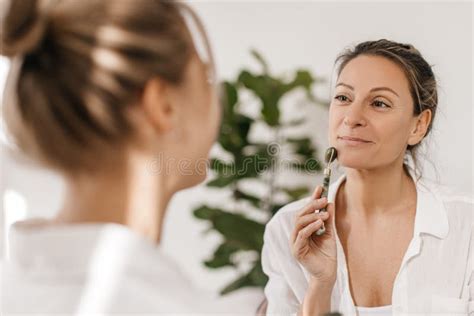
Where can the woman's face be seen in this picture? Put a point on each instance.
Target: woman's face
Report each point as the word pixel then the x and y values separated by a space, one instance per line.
pixel 371 117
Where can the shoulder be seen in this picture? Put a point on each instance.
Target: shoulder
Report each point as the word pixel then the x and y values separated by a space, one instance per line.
pixel 456 202
pixel 456 210
pixel 450 194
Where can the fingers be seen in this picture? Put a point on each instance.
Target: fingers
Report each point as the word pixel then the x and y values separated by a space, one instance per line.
pixel 305 233
pixel 315 202
pixel 308 216
pixel 317 192
pixel 307 219
pixel 303 221
pixel 312 206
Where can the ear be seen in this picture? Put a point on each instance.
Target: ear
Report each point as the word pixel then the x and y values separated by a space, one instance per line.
pixel 158 106
pixel 421 124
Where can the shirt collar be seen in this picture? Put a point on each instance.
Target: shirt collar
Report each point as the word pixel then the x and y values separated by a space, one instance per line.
pixel 430 216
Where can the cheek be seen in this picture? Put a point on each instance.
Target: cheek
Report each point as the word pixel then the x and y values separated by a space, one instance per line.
pixel 392 135
pixel 214 113
pixel 211 119
pixel 206 121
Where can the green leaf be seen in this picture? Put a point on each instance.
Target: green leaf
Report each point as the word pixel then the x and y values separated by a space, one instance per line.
pixel 234 132
pixel 221 181
pixel 236 228
pixel 303 78
pixel 303 146
pixel 243 124
pixel 255 277
pixel 269 90
pixel 271 113
pixel 276 207
pixel 252 82
pixel 296 193
pixel 255 201
pixel 206 212
pixel 252 166
pixel 247 233
pixel 261 60
pixel 222 256
pixel 230 97
pixel 302 140
pixel 224 169
pixel 241 282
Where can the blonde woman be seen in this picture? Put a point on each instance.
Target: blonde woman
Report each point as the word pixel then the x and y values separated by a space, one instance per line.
pixel 109 94
pixel 395 243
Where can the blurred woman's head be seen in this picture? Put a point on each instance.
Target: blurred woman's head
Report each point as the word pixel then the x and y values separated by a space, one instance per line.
pixel 384 103
pixel 95 80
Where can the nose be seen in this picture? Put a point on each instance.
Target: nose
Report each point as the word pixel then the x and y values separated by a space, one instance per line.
pixel 354 116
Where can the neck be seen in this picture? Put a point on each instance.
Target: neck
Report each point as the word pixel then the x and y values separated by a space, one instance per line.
pixel 126 192
pixel 369 193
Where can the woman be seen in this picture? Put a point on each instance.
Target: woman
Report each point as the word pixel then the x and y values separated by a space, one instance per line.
pixel 109 94
pixel 394 244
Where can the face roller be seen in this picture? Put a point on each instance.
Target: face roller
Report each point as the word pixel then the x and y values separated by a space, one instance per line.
pixel 331 155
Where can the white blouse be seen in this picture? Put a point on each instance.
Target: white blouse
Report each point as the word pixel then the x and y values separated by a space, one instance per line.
pixel 96 269
pixel 436 274
pixel 374 311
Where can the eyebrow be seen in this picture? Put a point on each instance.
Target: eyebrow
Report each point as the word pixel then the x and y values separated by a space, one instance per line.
pixel 372 90
pixel 384 89
pixel 345 85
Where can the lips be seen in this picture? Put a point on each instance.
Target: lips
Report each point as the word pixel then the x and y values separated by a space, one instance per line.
pixel 357 139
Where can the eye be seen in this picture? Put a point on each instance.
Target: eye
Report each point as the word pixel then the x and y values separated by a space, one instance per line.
pixel 341 98
pixel 380 104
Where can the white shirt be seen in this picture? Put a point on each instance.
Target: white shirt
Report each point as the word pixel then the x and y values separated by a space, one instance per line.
pixel 374 311
pixel 86 269
pixel 436 274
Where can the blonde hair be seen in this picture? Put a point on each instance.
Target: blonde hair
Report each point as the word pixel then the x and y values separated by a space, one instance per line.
pixel 78 65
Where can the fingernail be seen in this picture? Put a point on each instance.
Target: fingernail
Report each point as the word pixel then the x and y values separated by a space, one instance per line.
pixel 319 221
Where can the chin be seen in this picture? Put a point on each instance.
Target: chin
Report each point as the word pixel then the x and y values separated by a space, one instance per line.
pixel 354 160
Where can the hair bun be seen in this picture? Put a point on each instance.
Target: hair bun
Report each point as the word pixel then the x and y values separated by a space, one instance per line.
pixel 23 27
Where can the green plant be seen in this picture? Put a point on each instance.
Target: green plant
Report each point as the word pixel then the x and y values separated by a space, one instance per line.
pixel 257 161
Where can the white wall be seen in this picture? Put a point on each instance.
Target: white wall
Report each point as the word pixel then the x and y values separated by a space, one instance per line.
pixel 309 34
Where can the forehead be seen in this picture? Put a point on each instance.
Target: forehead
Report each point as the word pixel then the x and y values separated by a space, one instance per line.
pixel 367 72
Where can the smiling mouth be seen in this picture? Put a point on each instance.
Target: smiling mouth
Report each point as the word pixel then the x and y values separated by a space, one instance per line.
pixel 353 139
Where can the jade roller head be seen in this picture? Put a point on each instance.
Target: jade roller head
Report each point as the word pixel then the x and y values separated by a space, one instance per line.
pixel 331 155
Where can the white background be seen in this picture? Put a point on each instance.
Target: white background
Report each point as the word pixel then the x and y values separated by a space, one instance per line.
pixel 292 35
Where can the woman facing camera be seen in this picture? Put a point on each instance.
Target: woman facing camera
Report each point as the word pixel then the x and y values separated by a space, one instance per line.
pixel 109 94
pixel 395 243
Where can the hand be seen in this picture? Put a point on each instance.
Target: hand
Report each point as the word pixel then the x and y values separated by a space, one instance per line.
pixel 316 253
